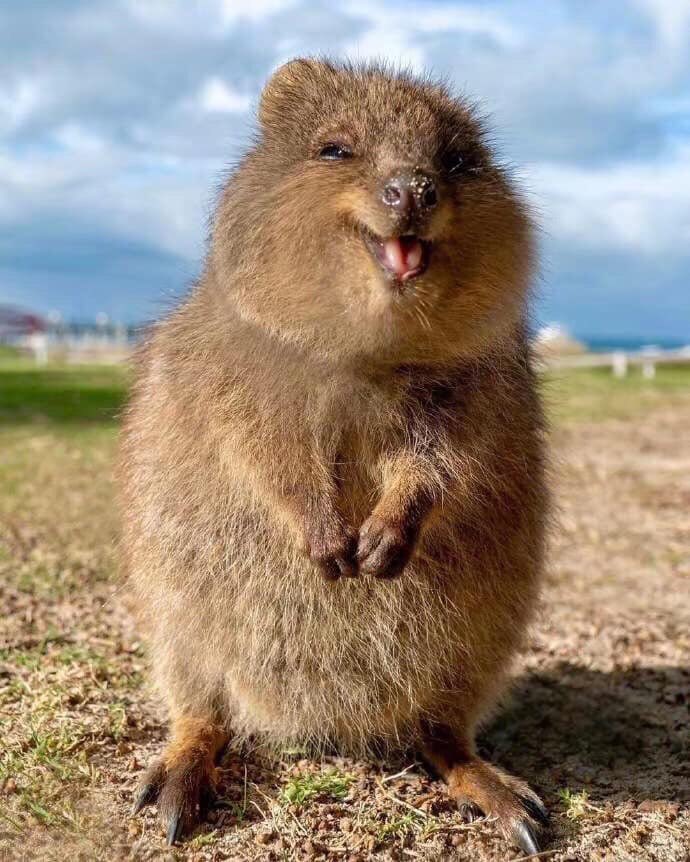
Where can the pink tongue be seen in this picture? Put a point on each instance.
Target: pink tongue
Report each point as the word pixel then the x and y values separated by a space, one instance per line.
pixel 402 255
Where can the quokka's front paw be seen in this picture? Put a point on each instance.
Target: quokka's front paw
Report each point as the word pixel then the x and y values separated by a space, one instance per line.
pixel 385 547
pixel 331 546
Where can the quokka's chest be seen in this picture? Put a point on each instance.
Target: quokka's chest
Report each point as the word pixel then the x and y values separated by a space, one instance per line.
pixel 368 443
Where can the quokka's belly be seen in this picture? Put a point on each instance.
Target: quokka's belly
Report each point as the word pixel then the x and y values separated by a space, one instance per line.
pixel 344 662
pixel 360 658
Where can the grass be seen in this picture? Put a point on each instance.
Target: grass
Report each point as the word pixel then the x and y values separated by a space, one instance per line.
pixel 303 788
pixel 594 394
pixel 45 750
pixel 574 804
pixel 63 699
pixel 60 394
pixel 397 827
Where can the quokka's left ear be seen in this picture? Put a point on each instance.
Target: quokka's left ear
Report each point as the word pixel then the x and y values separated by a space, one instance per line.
pixel 286 88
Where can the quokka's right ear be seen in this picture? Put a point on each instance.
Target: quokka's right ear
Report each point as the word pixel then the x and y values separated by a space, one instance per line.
pixel 284 93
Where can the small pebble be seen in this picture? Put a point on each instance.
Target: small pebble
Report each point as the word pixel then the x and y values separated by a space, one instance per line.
pixel 659 805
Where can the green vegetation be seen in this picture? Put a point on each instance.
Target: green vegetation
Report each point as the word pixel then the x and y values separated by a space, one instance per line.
pixel 594 394
pixel 62 698
pixel 398 826
pixel 47 747
pixel 302 788
pixel 60 393
pixel 9 353
pixel 576 805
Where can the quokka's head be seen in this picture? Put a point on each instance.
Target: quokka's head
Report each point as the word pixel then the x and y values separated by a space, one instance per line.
pixel 370 218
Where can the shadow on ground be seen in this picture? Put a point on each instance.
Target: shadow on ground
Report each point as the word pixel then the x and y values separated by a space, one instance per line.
pixel 622 736
pixel 619 735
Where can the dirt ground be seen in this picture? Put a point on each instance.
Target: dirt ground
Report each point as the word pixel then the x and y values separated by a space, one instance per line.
pixel 598 721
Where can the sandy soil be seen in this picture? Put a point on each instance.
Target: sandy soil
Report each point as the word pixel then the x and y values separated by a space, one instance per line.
pixel 598 721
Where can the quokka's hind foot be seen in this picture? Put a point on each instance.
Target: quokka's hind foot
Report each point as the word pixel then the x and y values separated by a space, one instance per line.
pixel 183 792
pixel 480 788
pixel 183 781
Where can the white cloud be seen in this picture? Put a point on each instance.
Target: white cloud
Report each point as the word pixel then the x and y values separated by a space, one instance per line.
pixel 395 29
pixel 387 43
pixel 635 206
pixel 210 17
pixel 671 18
pixel 18 103
pixel 217 97
pixel 233 11
pixel 410 20
pixel 143 197
pixel 78 140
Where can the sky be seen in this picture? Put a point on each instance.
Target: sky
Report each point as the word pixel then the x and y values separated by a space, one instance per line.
pixel 119 117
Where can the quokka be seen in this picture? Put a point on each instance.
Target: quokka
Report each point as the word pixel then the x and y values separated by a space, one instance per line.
pixel 333 461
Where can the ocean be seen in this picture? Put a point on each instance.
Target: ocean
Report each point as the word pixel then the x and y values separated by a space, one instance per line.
pixel 601 344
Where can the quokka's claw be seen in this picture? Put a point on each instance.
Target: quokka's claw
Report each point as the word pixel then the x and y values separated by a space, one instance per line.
pixel 175 827
pixel 523 835
pixel 183 793
pixel 145 796
pixel 469 811
pixel 536 811
pixel 149 788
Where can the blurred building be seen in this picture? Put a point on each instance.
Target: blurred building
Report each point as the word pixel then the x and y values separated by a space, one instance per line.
pixel 52 337
pixel 555 340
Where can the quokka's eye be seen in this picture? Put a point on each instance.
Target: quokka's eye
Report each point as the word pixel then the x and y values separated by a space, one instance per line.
pixel 457 163
pixel 335 152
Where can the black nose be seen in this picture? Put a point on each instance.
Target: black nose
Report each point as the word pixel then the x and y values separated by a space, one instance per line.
pixel 410 191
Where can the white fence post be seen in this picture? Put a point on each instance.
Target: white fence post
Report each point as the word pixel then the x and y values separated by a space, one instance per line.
pixel 620 364
pixel 38 344
pixel 648 369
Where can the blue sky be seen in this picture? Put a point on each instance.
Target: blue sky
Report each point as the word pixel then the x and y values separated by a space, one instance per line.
pixel 117 118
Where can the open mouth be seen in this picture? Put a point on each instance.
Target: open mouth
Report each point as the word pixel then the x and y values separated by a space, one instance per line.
pixel 401 257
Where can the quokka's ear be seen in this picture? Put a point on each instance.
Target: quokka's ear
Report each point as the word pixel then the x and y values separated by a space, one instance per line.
pixel 288 86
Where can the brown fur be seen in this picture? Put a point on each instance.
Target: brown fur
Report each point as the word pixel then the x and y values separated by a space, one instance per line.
pixel 297 401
